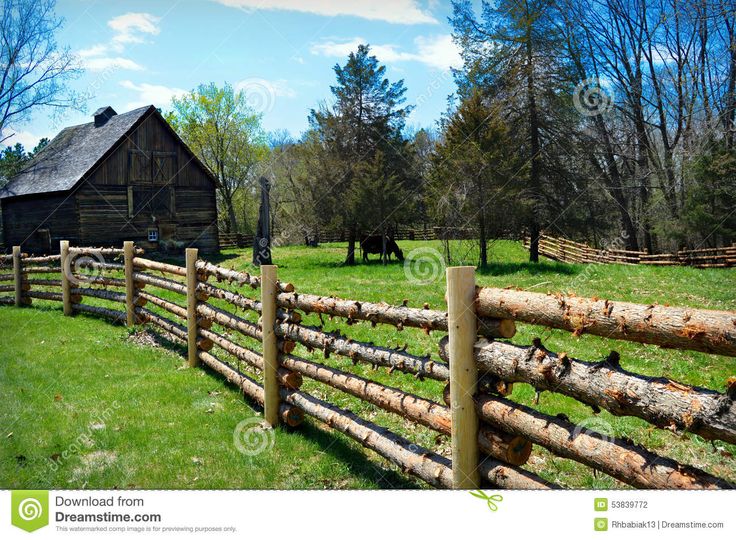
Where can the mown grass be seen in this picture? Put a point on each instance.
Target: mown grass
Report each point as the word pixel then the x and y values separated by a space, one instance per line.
pixel 169 416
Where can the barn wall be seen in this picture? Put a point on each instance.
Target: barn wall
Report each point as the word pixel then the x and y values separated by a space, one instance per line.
pixel 186 217
pixel 26 220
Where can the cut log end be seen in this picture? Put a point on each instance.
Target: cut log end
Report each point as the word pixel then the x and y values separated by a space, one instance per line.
pixel 290 415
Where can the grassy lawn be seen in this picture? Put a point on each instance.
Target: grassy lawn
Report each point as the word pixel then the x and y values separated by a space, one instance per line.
pixel 173 427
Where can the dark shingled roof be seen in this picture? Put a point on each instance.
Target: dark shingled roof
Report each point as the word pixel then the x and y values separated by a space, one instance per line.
pixel 70 155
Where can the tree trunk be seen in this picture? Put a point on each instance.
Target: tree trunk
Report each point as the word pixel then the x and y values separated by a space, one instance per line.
pixel 399 316
pixel 352 233
pixel 534 170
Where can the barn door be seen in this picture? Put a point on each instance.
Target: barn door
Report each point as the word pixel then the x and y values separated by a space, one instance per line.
pixel 163 178
pixel 152 177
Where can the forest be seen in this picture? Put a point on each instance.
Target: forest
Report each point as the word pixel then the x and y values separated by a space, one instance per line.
pixel 605 121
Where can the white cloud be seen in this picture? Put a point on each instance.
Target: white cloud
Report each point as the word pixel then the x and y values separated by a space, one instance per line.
pixel 438 52
pixel 104 63
pixel 128 29
pixel 397 11
pixel 26 138
pixel 151 94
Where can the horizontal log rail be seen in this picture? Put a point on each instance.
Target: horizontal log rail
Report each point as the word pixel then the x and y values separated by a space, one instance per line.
pixel 174 309
pixel 513 450
pixel 107 295
pixel 104 281
pixel 96 265
pixel 114 315
pixel 242 302
pixel 358 351
pixel 173 328
pixel 240 325
pixel 431 467
pixel 148 264
pixel 233 276
pixel 40 270
pixel 161 283
pixel 290 415
pixel 103 251
pixel 626 462
pixel 398 316
pixel 659 401
pixel 44 295
pixel 287 378
pixel 670 327
pixel 43 259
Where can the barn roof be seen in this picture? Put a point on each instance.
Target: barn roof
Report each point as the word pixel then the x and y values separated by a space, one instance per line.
pixel 71 154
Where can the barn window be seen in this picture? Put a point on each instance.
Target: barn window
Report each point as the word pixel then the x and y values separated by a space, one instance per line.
pixel 153 235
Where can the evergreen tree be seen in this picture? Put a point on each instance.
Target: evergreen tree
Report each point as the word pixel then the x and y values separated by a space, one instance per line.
pixel 514 54
pixel 472 173
pixel 366 118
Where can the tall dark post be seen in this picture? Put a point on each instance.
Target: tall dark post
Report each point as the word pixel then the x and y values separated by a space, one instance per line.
pixel 262 239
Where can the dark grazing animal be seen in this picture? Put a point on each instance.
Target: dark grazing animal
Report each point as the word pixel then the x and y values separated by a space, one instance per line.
pixel 374 244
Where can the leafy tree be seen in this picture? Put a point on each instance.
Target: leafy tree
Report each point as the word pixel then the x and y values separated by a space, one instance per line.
pixel 34 71
pixel 366 118
pixel 226 134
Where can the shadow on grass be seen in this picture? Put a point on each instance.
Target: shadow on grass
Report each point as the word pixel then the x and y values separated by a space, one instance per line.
pixel 335 445
pixel 356 461
pixel 504 268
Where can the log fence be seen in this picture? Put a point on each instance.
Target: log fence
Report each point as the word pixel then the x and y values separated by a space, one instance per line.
pixel 564 250
pixel 261 344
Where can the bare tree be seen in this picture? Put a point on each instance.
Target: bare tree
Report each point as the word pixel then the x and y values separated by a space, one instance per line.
pixel 33 69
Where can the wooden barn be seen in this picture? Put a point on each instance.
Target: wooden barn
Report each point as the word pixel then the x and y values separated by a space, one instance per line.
pixel 121 177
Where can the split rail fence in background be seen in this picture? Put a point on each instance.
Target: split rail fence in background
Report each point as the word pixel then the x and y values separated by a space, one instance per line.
pixel 492 437
pixel 564 250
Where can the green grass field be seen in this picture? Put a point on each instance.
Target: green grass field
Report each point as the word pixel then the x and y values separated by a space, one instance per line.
pixel 88 404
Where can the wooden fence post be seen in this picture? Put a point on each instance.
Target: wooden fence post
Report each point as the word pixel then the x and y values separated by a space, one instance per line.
pixel 191 266
pixel 462 330
pixel 270 350
pixel 128 253
pixel 18 276
pixel 66 269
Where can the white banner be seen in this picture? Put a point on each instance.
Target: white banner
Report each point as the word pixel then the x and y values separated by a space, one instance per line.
pixel 366 514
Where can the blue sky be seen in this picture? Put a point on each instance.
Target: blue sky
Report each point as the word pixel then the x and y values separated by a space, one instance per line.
pixel 281 52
